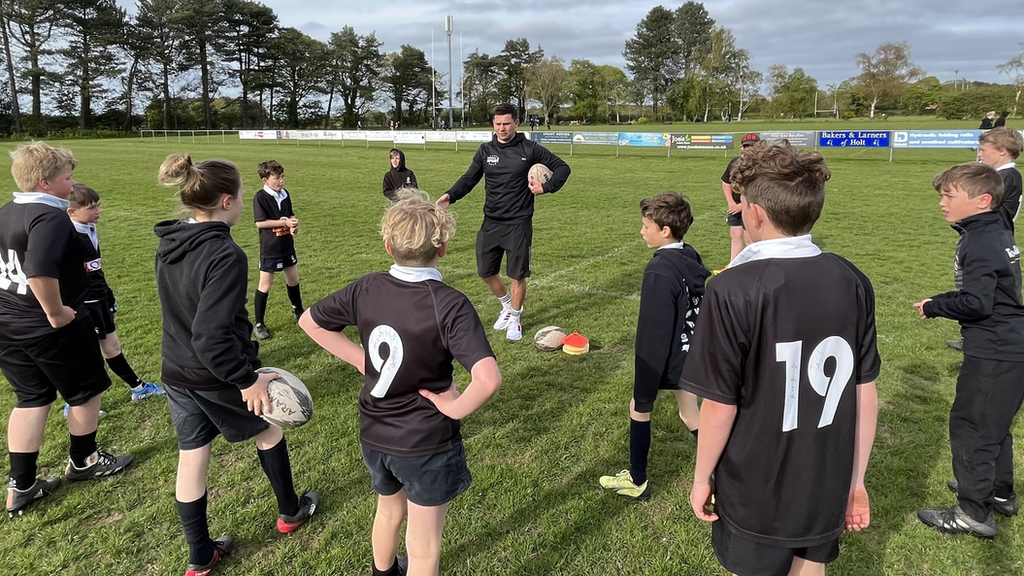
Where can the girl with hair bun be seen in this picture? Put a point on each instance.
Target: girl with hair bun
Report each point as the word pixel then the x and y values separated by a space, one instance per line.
pixel 209 362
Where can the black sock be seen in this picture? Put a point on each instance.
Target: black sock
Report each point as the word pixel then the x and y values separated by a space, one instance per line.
pixel 124 371
pixel 295 296
pixel 393 571
pixel 23 469
pixel 694 432
pixel 278 469
pixel 197 532
pixel 639 446
pixel 82 447
pixel 259 305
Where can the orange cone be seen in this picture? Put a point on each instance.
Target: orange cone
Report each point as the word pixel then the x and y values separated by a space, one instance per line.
pixel 575 344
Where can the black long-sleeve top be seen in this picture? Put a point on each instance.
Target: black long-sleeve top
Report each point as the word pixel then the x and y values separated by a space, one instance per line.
pixel 202 279
pixel 987 299
pixel 670 299
pixel 505 169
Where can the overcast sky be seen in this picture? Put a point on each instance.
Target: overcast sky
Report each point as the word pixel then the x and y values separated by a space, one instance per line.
pixel 948 38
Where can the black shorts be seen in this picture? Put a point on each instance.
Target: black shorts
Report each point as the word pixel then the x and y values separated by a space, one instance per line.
pixel 278 264
pixel 748 558
pixel 644 394
pixel 495 239
pixel 428 480
pixel 102 318
pixel 67 360
pixel 200 415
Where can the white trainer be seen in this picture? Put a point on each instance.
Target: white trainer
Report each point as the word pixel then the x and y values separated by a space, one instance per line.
pixel 503 319
pixel 514 330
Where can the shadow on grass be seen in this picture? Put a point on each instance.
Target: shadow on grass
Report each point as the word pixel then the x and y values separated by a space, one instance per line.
pixel 901 468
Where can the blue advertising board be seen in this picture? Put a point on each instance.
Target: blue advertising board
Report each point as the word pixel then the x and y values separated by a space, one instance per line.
pixel 551 137
pixel 602 138
pixel 936 139
pixel 854 139
pixel 643 139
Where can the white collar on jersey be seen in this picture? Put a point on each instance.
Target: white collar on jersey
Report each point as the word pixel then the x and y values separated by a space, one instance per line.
pixel 675 245
pixel 789 247
pixel 41 198
pixel 89 230
pixel 279 196
pixel 1007 166
pixel 414 273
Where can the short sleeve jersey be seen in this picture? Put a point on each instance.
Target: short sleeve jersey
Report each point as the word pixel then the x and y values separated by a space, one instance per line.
pixel 786 340
pixel 38 240
pixel 99 290
pixel 411 332
pixel 726 178
pixel 266 207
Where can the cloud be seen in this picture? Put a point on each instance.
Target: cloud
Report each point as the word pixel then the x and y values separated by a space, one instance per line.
pixel 948 37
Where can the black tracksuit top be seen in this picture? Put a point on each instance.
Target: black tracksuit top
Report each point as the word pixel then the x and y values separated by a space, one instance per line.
pixel 987 299
pixel 505 169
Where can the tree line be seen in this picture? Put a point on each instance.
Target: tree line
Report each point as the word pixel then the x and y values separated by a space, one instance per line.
pixel 90 64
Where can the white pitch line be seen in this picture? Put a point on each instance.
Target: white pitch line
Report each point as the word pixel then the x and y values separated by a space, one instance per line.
pixel 595 291
pixel 591 261
pixel 583 264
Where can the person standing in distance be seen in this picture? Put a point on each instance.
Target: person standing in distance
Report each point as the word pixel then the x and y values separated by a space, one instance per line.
pixel 507 229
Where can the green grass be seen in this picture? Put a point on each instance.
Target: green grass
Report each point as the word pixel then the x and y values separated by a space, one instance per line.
pixel 558 423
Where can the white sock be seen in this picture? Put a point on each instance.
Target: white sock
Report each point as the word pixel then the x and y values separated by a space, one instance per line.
pixel 506 300
pixel 516 314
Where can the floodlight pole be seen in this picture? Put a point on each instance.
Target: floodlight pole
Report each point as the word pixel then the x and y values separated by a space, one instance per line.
pixel 448 25
pixel 433 85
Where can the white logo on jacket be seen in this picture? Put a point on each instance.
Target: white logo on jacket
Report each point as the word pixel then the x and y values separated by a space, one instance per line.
pixel 93 265
pixel 492 160
pixel 1013 252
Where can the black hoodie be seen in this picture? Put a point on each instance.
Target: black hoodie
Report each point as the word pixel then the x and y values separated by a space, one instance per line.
pixel 670 299
pixel 202 279
pixel 400 177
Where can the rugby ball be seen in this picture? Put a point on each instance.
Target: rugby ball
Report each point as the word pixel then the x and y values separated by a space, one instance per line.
pixel 540 172
pixel 549 338
pixel 293 404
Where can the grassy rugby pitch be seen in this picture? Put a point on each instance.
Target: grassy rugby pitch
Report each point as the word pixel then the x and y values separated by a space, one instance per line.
pixel 558 423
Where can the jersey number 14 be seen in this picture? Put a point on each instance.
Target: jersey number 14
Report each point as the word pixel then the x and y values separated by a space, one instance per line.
pixel 829 387
pixel 11 274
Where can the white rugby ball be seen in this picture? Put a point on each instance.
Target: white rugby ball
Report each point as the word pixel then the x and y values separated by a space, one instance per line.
pixel 549 338
pixel 293 404
pixel 540 172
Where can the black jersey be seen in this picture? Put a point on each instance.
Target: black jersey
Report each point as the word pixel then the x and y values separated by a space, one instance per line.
pixel 266 207
pixel 99 290
pixel 505 168
pixel 786 337
pixel 727 178
pixel 37 239
pixel 412 327
pixel 1010 206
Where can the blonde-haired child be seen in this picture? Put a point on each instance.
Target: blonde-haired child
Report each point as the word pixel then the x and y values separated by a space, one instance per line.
pixel 412 326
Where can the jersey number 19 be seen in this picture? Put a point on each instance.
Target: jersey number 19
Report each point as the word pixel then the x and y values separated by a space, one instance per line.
pixel 829 387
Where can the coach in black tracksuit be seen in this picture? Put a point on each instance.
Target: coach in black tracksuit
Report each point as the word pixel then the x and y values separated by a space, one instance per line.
pixel 504 163
pixel 990 387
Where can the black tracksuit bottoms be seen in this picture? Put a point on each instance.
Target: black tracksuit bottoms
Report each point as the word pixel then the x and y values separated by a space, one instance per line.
pixel 988 395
